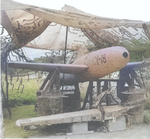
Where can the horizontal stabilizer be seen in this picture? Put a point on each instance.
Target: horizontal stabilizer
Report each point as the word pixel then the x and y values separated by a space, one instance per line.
pixel 135 65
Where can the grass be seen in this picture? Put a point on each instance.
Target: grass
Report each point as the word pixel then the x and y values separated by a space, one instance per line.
pixel 28 96
pixel 19 112
pixel 20 103
pixel 17 101
pixel 27 111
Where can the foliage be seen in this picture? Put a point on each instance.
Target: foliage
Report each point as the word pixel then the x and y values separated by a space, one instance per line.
pixel 134 56
pixel 147 105
pixel 54 56
pixel 144 73
pixel 22 93
pixel 146 117
pixel 19 99
pixel 139 49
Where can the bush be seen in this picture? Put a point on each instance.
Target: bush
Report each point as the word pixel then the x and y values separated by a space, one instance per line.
pixel 147 105
pixel 146 119
pixel 17 97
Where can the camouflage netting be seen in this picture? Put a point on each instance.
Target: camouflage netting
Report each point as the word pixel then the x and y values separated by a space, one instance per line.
pixel 24 23
pixel 144 73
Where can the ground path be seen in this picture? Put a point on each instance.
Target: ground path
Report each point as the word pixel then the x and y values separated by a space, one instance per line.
pixel 136 131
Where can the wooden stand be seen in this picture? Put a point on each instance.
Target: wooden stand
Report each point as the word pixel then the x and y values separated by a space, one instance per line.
pixel 52 100
pixel 137 113
pixel 48 105
pixel 49 97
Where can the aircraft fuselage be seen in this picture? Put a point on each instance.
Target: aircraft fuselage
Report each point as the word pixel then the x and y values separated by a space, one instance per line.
pixel 100 63
pixel 92 66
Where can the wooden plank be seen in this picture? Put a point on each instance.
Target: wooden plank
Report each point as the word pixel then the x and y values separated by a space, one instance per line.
pixel 106 113
pixel 109 79
pixel 115 111
pixel 99 98
pixel 135 91
pixel 118 110
pixel 136 103
pixel 72 117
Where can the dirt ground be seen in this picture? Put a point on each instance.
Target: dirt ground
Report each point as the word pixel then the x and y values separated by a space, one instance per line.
pixel 136 131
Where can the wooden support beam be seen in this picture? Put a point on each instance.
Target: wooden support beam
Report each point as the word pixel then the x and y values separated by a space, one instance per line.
pixel 98 87
pixel 105 87
pixel 132 79
pixel 138 79
pixel 99 98
pixel 45 81
pixel 77 91
pixel 52 78
pixel 89 91
pixel 66 44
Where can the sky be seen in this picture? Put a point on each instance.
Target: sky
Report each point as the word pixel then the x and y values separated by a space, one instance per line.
pixel 120 9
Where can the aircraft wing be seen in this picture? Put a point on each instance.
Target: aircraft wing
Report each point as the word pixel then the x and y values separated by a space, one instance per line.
pixel 136 65
pixel 64 68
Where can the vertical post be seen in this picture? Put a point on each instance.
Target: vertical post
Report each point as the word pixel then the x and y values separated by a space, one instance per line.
pixel 7 85
pixel 88 93
pixel 91 94
pixel 132 78
pixel 1 116
pixel 65 52
pixel 77 102
pixel 66 44
pixel 142 80
pixel 105 86
pixel 98 87
pixel 6 78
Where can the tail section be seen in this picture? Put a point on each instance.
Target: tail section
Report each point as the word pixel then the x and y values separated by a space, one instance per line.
pixel 79 52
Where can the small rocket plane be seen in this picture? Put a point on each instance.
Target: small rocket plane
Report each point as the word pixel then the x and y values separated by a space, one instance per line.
pixel 91 66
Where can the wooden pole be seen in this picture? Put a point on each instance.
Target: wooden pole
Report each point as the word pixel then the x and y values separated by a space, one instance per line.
pixel 66 44
pixel 88 93
pixel 1 116
pixel 98 87
pixel 65 52
pixel 7 85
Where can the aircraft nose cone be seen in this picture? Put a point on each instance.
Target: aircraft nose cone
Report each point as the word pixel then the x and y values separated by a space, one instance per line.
pixel 125 54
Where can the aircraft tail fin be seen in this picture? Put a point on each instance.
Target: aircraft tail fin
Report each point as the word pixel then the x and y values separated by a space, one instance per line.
pixel 79 52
